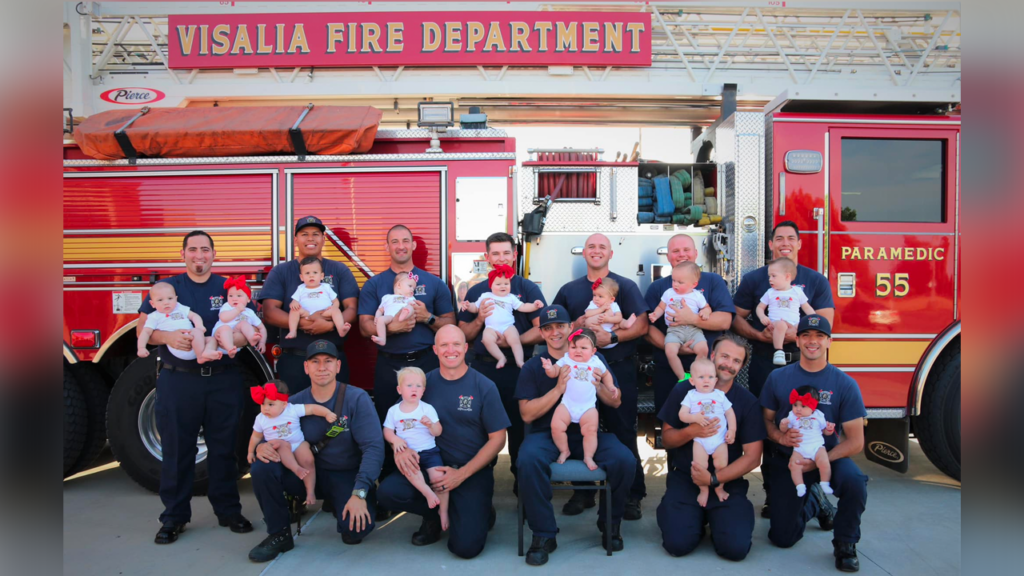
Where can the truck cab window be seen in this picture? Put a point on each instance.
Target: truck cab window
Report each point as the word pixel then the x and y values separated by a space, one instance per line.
pixel 886 180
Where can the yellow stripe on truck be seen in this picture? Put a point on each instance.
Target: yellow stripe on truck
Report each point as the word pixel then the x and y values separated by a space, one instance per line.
pixel 877 352
pixel 245 247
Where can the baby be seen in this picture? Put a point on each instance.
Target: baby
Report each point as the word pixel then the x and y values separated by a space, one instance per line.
pixel 312 297
pixel 700 405
pixel 604 311
pixel 278 423
pixel 805 417
pixel 413 424
pixel 784 302
pixel 501 320
pixel 579 403
pixel 685 276
pixel 397 306
pixel 171 316
pixel 235 316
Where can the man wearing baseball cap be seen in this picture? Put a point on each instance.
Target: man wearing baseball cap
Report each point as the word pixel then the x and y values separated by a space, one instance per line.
pixel 839 399
pixel 276 296
pixel 538 397
pixel 347 464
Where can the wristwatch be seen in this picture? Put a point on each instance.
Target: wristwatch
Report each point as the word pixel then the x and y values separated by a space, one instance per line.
pixel 431 320
pixel 359 493
pixel 615 338
pixel 714 480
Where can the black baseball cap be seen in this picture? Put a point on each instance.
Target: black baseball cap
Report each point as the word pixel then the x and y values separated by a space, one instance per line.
pixel 322 347
pixel 554 315
pixel 815 322
pixel 309 221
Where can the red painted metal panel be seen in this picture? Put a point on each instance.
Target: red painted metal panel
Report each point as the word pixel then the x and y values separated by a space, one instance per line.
pixel 884 389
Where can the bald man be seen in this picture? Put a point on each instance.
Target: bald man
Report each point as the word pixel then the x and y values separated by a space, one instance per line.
pixel 575 297
pixel 473 421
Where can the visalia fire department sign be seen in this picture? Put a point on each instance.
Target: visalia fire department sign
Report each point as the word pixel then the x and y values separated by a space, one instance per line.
pixel 410 39
pixel 132 96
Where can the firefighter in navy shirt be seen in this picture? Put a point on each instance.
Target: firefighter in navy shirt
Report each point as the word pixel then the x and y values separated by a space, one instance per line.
pixel 839 399
pixel 501 251
pixel 276 297
pixel 469 408
pixel 680 518
pixel 621 360
pixel 682 249
pixel 346 467
pixel 785 243
pixel 190 397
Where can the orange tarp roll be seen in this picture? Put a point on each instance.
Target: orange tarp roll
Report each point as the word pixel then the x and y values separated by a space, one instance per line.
pixel 223 131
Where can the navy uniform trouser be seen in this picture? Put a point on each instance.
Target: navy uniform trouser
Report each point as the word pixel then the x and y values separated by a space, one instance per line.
pixel 681 519
pixel 385 393
pixel 790 512
pixel 186 402
pixel 505 379
pixel 291 369
pixel 761 366
pixel 622 421
pixel 271 480
pixel 535 457
pixel 469 508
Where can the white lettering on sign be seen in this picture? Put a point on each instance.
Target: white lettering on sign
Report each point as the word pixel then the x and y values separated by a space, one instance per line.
pixel 127 302
pixel 132 96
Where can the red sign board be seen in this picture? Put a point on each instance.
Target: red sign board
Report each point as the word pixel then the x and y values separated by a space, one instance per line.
pixel 410 39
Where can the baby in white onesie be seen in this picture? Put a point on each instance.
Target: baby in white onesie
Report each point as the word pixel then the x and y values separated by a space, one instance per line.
pixel 805 417
pixel 314 297
pixel 685 277
pixel 170 316
pixel 700 405
pixel 579 403
pixel 603 311
pixel 397 306
pixel 235 316
pixel 501 320
pixel 783 302
pixel 278 424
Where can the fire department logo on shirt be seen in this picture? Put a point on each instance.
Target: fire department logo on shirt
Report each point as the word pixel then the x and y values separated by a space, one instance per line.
pixel 708 408
pixel 466 403
pixel 784 302
pixel 408 424
pixel 216 302
pixel 421 290
pixel 824 396
pixel 176 316
pixel 329 279
pixel 806 424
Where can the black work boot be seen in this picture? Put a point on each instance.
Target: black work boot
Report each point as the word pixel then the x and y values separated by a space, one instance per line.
pixel 633 510
pixel 580 501
pixel 846 556
pixel 826 511
pixel 537 555
pixel 615 534
pixel 429 532
pixel 272 546
pixel 238 523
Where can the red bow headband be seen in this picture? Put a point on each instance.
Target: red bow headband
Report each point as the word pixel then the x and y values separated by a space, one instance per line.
pixel 238 282
pixel 597 284
pixel 500 271
pixel 579 333
pixel 806 400
pixel 413 277
pixel 267 391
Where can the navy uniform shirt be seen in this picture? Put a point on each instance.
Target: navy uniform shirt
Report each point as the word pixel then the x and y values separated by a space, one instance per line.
pixel 715 292
pixel 534 383
pixel 749 428
pixel 523 289
pixel 839 396
pixel 205 300
pixel 430 290
pixel 576 296
pixel 281 284
pixel 469 409
pixel 755 284
pixel 361 447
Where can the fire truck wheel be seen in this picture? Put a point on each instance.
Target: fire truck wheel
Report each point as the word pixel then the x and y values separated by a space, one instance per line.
pixel 96 393
pixel 76 421
pixel 938 427
pixel 131 425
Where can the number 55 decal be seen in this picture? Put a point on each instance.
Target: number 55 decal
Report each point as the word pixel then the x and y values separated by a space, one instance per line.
pixel 884 285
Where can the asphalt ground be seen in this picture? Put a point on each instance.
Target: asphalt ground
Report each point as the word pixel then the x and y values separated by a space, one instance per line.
pixel 911 526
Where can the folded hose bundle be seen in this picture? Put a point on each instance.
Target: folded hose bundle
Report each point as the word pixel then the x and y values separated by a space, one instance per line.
pixel 663 204
pixel 645 202
pixel 645 217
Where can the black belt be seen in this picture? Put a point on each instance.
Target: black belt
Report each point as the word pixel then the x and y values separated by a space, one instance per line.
pixel 406 357
pixel 200 370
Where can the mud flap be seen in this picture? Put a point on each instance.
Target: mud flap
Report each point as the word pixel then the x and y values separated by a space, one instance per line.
pixel 886 442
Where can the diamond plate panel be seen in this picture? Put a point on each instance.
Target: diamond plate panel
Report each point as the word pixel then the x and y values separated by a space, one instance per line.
pixel 420 133
pixel 749 190
pixel 586 216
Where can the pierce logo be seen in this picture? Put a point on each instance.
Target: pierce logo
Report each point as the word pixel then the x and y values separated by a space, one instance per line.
pixel 886 451
pixel 132 96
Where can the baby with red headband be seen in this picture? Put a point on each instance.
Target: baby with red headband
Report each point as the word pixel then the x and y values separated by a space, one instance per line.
pixel 235 316
pixel 501 320
pixel 278 424
pixel 313 297
pixel 170 316
pixel 579 402
pixel 805 417
pixel 603 311
pixel 395 306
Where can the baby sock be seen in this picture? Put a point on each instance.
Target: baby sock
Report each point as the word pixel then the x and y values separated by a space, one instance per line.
pixel 826 488
pixel 802 489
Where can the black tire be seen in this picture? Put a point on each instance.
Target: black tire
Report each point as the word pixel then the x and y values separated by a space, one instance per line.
pixel 96 393
pixel 76 421
pixel 938 427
